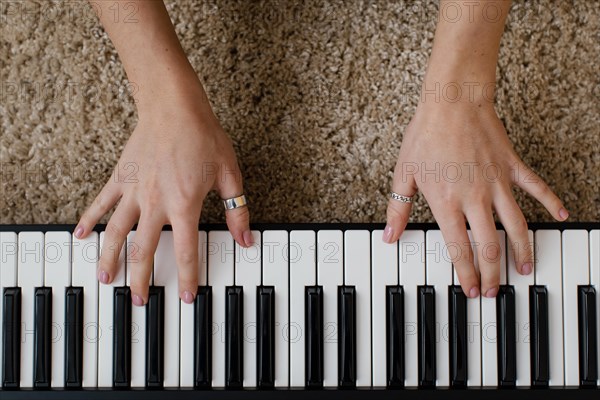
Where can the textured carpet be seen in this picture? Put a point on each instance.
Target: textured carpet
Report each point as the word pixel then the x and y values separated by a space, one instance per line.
pixel 315 94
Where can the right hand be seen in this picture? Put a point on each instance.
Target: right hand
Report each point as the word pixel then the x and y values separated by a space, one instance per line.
pixel 177 153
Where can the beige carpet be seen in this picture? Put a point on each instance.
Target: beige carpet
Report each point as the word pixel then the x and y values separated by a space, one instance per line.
pixel 316 95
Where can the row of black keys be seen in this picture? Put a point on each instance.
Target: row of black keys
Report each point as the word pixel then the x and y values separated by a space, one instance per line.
pixel 155 346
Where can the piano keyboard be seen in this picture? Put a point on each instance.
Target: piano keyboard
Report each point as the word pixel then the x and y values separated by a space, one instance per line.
pixel 316 306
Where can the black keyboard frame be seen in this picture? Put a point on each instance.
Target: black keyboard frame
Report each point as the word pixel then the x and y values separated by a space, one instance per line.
pixel 524 393
pixel 314 226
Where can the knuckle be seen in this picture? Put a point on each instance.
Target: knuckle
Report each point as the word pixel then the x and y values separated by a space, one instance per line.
pixel 187 257
pixel 115 229
pixel 491 252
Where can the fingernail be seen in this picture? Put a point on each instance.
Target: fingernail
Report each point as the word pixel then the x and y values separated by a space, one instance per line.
pixel 526 268
pixel 137 300
pixel 491 292
pixel 474 292
pixel 564 214
pixel 387 234
pixel 78 232
pixel 248 238
pixel 103 277
pixel 187 297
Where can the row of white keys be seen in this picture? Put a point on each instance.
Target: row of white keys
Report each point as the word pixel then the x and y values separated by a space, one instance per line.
pixel 357 273
pixel 105 315
pixel 186 341
pixel 412 275
pixel 220 275
pixel 8 272
pixel 548 273
pixel 248 276
pixel 85 262
pixel 330 275
pixel 30 275
pixel 138 326
pixel 439 275
pixel 302 249
pixel 595 281
pixel 521 284
pixel 275 273
pixel 489 339
pixel 57 275
pixel 384 272
pixel 575 258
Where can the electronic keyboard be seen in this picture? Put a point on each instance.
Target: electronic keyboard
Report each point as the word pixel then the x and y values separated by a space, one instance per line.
pixel 328 308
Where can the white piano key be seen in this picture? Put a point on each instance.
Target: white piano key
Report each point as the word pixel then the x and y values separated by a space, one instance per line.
pixel 301 255
pixel 220 275
pixel 330 275
pixel 57 275
pixel 248 275
pixel 8 272
pixel 521 284
pixel 85 261
pixel 275 273
pixel 384 272
pixel 548 272
pixel 575 257
pixel 138 326
pixel 412 275
pixel 357 273
pixel 473 326
pixel 105 317
pixel 595 281
pixel 489 342
pixel 165 274
pixel 186 329
pixel 30 275
pixel 438 269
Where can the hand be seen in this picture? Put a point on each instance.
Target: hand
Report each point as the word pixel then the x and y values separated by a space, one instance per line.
pixel 459 156
pixel 177 153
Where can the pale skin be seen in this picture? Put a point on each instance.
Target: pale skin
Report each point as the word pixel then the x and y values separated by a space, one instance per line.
pixel 180 153
pixel 456 152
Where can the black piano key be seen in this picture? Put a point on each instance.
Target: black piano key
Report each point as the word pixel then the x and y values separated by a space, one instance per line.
pixel 458 336
pixel 313 305
pixel 395 336
pixel 11 337
pixel 42 337
pixel 347 336
pixel 122 337
pixel 203 338
pixel 540 342
pixel 265 368
pixel 73 337
pixel 588 362
pixel 506 336
pixel 426 332
pixel 155 336
pixel 234 331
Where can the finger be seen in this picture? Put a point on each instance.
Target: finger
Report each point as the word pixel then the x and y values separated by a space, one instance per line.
pixel 185 236
pixel 106 199
pixel 118 227
pixel 398 212
pixel 514 223
pixel 530 182
pixel 458 244
pixel 230 185
pixel 487 247
pixel 141 257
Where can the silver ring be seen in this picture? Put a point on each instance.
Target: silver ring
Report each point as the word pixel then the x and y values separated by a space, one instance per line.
pixel 235 202
pixel 401 198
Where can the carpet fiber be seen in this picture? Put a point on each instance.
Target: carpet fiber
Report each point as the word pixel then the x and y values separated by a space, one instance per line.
pixel 315 94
